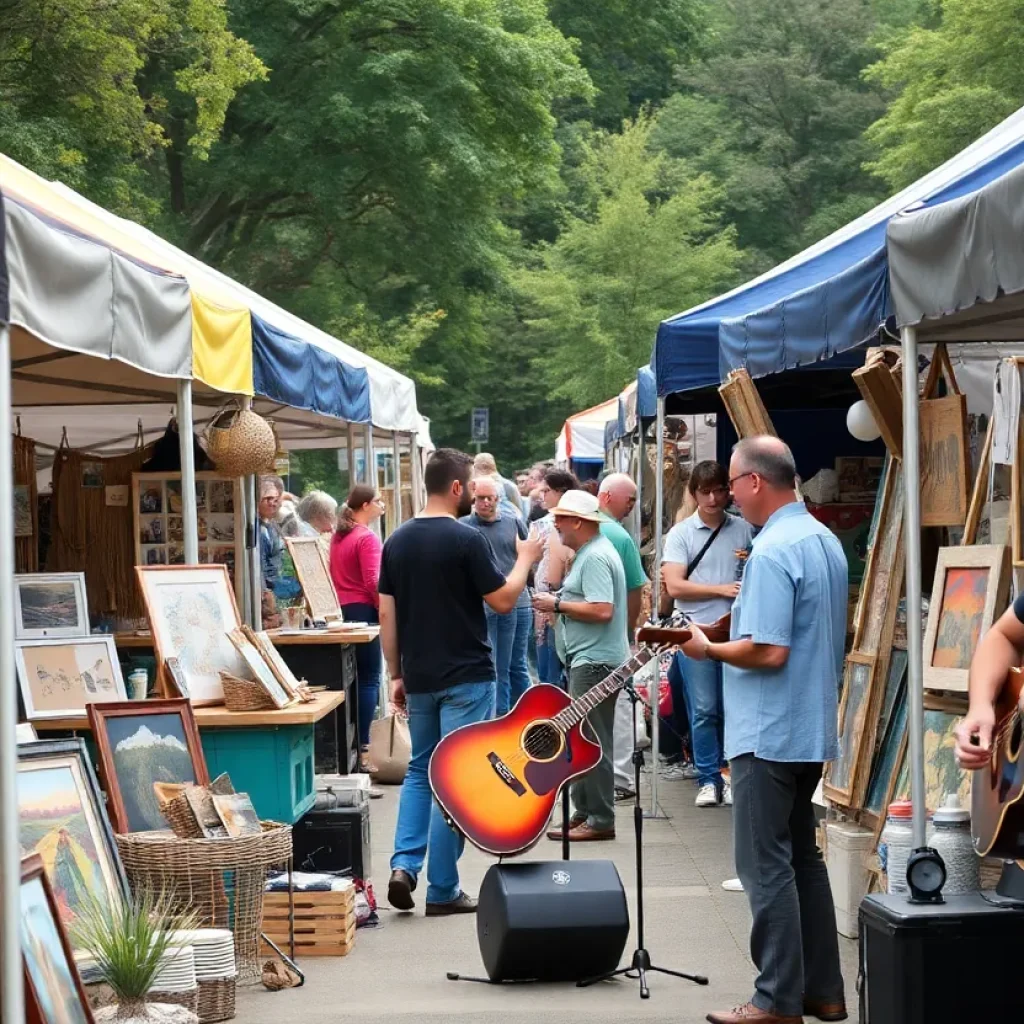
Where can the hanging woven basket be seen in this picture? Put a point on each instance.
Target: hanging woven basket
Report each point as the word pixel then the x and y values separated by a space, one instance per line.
pixel 241 442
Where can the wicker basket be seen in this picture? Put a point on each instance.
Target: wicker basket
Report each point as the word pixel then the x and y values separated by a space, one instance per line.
pixel 240 443
pixel 181 818
pixel 190 999
pixel 244 695
pixel 216 1000
pixel 220 880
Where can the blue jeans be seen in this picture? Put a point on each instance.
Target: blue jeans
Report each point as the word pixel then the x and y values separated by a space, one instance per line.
pixel 549 668
pixel 368 660
pixel 509 635
pixel 432 716
pixel 702 681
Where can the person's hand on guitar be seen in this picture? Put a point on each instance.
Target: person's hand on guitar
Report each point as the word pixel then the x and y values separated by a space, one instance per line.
pixel 974 737
pixel 398 695
pixel 696 648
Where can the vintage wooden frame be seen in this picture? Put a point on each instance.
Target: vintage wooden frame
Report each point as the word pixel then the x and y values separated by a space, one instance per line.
pixel 273 658
pixel 315 577
pixel 219 575
pixel 32 869
pixel 99 714
pixel 880 387
pixel 744 406
pixel 96 640
pixel 1016 496
pixel 979 493
pixel 77 580
pixel 260 668
pixel 996 559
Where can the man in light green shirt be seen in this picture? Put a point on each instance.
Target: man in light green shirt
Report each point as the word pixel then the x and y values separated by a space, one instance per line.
pixel 591 629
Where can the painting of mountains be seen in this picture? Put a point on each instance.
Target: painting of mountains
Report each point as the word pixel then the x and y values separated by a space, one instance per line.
pixel 147 748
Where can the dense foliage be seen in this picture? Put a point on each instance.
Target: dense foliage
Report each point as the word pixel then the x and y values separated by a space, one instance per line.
pixel 501 198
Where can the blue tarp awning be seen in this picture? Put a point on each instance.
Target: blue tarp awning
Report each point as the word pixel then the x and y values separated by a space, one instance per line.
pixel 825 300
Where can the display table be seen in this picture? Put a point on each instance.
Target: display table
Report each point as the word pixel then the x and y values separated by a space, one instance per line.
pixel 268 754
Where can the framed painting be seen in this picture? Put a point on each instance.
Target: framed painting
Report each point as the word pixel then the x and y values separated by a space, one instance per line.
pixel 315 576
pixel 62 818
pixel 60 677
pixel 892 728
pixel 49 604
pixel 856 688
pixel 191 609
pixel 53 988
pixel 945 461
pixel 259 669
pixel 272 656
pixel 140 743
pixel 969 591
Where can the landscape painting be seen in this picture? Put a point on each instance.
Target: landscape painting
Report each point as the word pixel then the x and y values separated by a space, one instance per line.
pixel 50 604
pixel 60 677
pixel 961 617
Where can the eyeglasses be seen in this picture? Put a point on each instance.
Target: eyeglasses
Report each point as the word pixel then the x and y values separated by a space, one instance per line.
pixel 740 477
pixel 485 497
pixel 708 491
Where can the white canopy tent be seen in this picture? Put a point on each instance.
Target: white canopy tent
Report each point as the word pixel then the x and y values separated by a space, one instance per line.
pixel 582 436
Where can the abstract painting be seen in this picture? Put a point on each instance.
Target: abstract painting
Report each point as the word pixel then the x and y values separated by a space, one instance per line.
pixel 969 591
pixel 140 744
pixel 61 818
pixel 191 610
pixel 60 677
pixel 53 993
pixel 50 604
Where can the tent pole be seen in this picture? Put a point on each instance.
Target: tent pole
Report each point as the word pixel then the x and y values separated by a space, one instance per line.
pixel 11 993
pixel 397 447
pixel 371 466
pixel 636 519
pixel 189 513
pixel 653 689
pixel 912 543
pixel 253 572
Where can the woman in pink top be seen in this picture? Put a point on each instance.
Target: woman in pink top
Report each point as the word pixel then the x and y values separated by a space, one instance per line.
pixel 355 566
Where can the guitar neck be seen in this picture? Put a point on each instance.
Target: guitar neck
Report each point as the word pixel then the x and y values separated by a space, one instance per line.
pixel 611 684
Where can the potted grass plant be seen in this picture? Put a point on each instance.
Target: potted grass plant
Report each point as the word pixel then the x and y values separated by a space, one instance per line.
pixel 128 942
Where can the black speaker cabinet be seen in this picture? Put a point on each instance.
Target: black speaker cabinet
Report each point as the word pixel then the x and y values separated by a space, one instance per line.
pixel 948 963
pixel 551 920
pixel 334 839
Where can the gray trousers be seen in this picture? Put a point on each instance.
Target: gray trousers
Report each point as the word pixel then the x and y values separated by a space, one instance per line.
pixel 594 794
pixel 793 940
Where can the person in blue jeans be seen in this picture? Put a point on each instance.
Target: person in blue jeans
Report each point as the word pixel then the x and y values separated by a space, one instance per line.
pixel 702 557
pixel 508 632
pixel 435 575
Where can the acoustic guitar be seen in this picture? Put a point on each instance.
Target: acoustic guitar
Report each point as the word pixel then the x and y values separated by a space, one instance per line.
pixel 497 781
pixel 997 790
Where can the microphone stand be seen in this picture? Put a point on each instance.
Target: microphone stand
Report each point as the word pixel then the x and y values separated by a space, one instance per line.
pixel 640 963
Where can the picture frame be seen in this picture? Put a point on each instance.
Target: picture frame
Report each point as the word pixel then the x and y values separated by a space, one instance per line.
pixel 139 743
pixel 191 609
pixel 175 677
pixel 58 775
pixel 54 993
pixel 50 604
pixel 59 677
pixel 259 669
pixel 968 593
pixel 237 814
pixel 315 578
pixel 945 461
pixel 858 476
pixel 285 676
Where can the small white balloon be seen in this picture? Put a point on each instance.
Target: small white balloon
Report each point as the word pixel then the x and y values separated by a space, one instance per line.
pixel 861 424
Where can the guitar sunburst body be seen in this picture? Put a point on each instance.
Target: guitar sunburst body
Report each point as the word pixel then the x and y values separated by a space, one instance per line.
pixel 497 796
pixel 997 791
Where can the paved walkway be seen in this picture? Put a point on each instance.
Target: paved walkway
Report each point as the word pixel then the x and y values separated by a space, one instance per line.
pixel 399 968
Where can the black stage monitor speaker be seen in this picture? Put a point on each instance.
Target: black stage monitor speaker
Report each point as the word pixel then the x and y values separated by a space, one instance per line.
pixel 551 920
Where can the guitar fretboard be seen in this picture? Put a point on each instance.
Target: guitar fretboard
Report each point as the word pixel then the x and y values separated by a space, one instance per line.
pixel 582 706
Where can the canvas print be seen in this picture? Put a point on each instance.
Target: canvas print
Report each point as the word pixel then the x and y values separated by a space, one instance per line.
pixel 942 775
pixel 237 814
pixel 55 987
pixel 50 604
pixel 314 576
pixel 22 511
pixel 858 679
pixel 858 478
pixel 151 498
pixel 961 617
pixel 220 496
pixel 200 799
pixel 886 543
pixel 92 475
pixel 59 677
pixel 60 818
pixel 259 669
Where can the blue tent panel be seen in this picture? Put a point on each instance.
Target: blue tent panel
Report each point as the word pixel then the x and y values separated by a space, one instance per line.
pixel 686 353
pixel 646 393
pixel 303 376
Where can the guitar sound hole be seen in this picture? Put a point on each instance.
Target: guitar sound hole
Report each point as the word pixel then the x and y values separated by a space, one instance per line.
pixel 1014 739
pixel 542 741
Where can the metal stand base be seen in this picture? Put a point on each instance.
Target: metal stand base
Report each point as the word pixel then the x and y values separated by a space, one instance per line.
pixel 1009 891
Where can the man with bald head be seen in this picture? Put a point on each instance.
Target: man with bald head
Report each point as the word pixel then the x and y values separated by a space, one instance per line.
pixel 781 675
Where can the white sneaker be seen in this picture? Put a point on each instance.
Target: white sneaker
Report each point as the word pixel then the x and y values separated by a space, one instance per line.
pixel 732 885
pixel 673 773
pixel 707 796
pixel 727 794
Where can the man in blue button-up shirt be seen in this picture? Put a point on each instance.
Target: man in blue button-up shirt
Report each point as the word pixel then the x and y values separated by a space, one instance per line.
pixel 781 675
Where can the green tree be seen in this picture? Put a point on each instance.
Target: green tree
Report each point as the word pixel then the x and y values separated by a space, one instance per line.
pixel 654 245
pixel 954 80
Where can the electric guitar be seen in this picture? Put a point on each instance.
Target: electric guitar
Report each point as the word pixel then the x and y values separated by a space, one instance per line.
pixel 997 790
pixel 497 781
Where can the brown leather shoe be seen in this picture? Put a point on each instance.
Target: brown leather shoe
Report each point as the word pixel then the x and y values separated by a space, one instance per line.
pixel 400 890
pixel 574 822
pixel 824 1010
pixel 585 833
pixel 748 1013
pixel 462 904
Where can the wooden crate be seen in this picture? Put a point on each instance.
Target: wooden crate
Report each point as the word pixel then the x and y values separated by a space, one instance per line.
pixel 325 922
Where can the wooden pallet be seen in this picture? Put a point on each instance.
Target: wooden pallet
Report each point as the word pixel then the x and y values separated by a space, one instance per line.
pixel 325 922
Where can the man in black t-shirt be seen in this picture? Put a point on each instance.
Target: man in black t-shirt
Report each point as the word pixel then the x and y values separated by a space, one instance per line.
pixel 435 575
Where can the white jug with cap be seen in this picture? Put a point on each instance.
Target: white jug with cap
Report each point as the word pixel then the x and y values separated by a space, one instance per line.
pixel 951 836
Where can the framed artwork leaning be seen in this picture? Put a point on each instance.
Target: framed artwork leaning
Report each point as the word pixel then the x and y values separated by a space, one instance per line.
pixel 140 743
pixel 191 609
pixel 62 817
pixel 53 987
pixel 315 576
pixel 969 592
pixel 50 604
pixel 260 669
pixel 59 677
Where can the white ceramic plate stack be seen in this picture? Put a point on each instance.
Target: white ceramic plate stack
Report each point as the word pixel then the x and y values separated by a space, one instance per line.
pixel 177 971
pixel 214 950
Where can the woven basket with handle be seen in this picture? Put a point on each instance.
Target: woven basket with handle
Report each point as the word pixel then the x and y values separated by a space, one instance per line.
pixel 241 442
pixel 244 695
